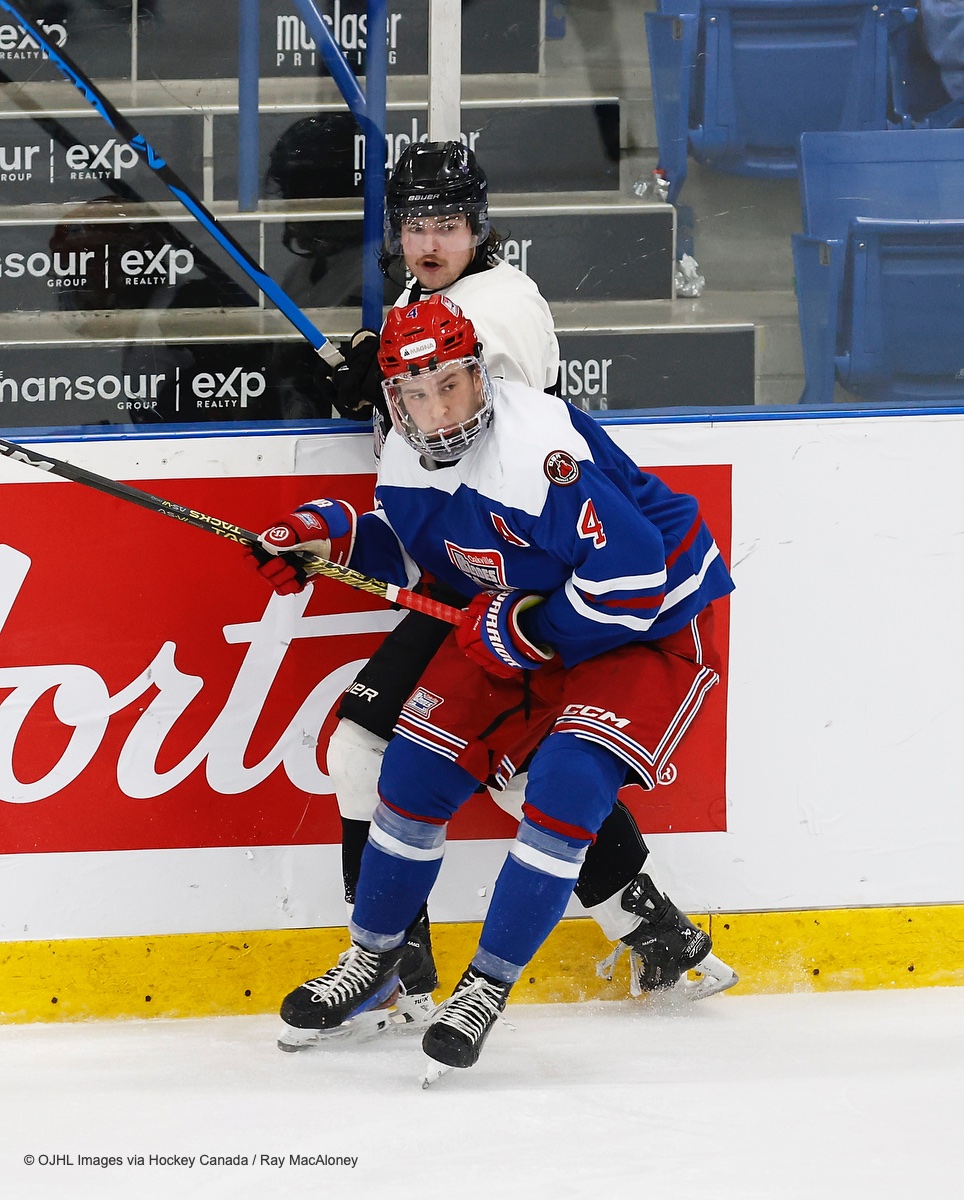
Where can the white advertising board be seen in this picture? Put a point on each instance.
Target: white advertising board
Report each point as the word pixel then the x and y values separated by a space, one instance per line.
pixel 843 699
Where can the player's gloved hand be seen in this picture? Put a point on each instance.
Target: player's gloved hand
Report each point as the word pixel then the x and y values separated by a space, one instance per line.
pixel 283 571
pixel 357 382
pixel 323 383
pixel 491 634
pixel 322 527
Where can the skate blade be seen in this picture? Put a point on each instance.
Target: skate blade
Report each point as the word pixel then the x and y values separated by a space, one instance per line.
pixel 359 1029
pixel 712 976
pixel 432 1071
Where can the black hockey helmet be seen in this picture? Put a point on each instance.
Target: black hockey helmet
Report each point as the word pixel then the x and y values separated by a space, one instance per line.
pixel 436 179
pixel 314 157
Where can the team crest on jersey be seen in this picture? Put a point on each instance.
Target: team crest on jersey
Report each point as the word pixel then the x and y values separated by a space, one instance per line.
pixel 422 702
pixel 504 531
pixel 560 467
pixel 486 567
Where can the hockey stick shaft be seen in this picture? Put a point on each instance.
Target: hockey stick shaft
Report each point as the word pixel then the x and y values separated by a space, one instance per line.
pixel 243 537
pixel 115 119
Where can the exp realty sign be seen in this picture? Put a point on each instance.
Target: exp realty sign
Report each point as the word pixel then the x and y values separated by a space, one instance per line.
pixel 151 383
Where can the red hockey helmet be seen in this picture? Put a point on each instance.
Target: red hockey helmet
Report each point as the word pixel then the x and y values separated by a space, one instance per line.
pixel 424 334
pixel 424 346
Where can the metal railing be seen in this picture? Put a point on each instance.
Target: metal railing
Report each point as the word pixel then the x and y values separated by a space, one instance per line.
pixel 368 108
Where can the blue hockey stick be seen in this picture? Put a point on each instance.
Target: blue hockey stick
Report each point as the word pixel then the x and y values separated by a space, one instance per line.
pixel 177 187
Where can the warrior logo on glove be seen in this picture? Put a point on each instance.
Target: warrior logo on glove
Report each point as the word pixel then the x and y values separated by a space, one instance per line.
pixel 493 636
pixel 322 527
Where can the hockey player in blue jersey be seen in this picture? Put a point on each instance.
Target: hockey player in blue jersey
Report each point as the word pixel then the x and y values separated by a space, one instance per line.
pixel 589 635
pixel 437 228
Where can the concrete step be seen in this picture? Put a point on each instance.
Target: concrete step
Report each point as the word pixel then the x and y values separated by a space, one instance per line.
pixel 54 96
pixel 656 354
pixel 720 318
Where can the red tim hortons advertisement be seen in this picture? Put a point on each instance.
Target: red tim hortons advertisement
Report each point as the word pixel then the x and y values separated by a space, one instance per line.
pixel 155 693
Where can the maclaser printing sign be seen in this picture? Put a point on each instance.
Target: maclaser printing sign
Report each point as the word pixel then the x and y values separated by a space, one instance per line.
pixel 564 149
pixel 198 39
pixel 154 693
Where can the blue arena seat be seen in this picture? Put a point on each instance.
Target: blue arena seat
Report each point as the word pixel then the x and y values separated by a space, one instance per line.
pixel 880 265
pixel 736 82
pixel 918 96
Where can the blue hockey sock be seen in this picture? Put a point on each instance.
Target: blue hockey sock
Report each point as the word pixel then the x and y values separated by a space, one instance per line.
pixel 526 906
pixel 398 868
pixel 420 791
pixel 571 789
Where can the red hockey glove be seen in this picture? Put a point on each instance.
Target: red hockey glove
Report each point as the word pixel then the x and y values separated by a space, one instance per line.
pixel 491 636
pixel 283 571
pixel 322 527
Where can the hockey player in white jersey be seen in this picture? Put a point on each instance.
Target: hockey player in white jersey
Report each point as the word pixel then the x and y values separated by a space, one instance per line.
pixel 437 226
pixel 438 233
pixel 588 640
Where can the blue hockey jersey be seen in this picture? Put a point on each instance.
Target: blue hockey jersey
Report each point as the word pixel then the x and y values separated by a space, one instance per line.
pixel 546 502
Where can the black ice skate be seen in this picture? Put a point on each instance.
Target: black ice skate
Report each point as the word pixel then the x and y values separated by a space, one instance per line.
pixel 461 1024
pixel 665 946
pixel 417 973
pixel 355 997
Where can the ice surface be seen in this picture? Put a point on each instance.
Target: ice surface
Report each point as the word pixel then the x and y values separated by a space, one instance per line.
pixel 736 1098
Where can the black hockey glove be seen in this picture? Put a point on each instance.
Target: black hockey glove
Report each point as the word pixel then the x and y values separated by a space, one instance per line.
pixel 358 382
pixel 323 382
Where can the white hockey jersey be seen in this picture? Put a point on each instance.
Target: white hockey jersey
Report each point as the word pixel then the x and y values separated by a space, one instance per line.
pixel 513 322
